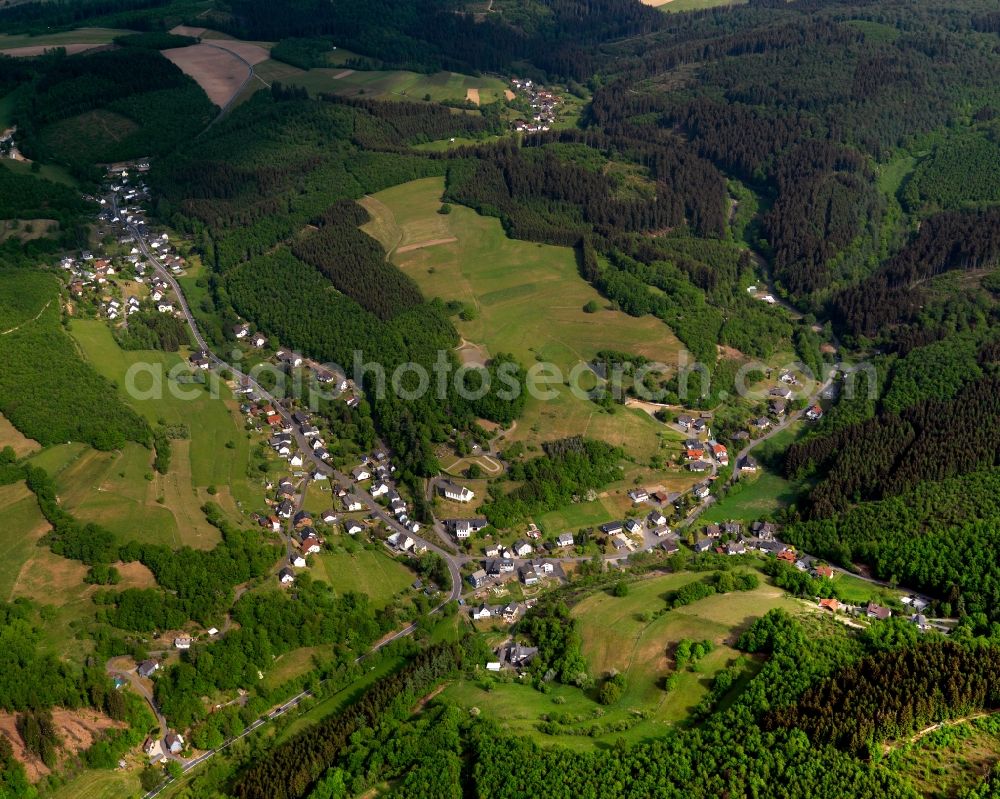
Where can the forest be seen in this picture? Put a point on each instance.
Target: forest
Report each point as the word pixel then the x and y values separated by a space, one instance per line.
pixel 569 468
pixel 894 693
pixel 73 403
pixel 114 105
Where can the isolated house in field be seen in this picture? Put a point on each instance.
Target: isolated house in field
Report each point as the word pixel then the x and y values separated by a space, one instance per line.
pixel 746 464
pixel 638 495
pixel 147 668
pixel 182 642
pixel 241 331
pixel 455 493
pixel 258 340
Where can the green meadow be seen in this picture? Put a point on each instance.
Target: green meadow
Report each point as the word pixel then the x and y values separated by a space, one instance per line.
pixel 523 298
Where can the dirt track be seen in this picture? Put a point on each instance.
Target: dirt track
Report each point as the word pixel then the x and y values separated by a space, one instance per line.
pixel 421 244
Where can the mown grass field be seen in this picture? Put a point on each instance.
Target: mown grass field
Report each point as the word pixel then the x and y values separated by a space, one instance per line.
pixel 385 85
pixel 528 300
pixel 614 637
pixel 22 527
pixel 62 38
pixel 675 6
pixel 100 785
pixel 217 454
pixel 56 174
pixel 367 571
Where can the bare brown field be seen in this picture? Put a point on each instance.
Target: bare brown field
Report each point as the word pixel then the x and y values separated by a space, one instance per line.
pixel 39 49
pixel 343 74
pixel 509 94
pixel 10 436
pixel 134 575
pixel 187 30
pixel 472 95
pixel 77 728
pixel 248 51
pixel 217 71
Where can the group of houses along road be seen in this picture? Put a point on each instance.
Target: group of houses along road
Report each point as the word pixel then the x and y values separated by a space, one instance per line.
pixel 522 561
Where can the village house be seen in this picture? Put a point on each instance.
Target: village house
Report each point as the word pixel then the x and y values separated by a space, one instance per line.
pixel 815 413
pixel 455 493
pixel 565 540
pixel 633 526
pixel 361 474
pixel 612 528
pixel 638 495
pixel 703 545
pixel 182 642
pixel 311 545
pixel 302 519
pixel 874 611
pixel 491 550
pixel 288 358
pixel 298 561
pixel 464 528
pixel 482 612
pixel 699 466
pixel 353 527
pixel 478 578
pixel 286 576
pixel 522 548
